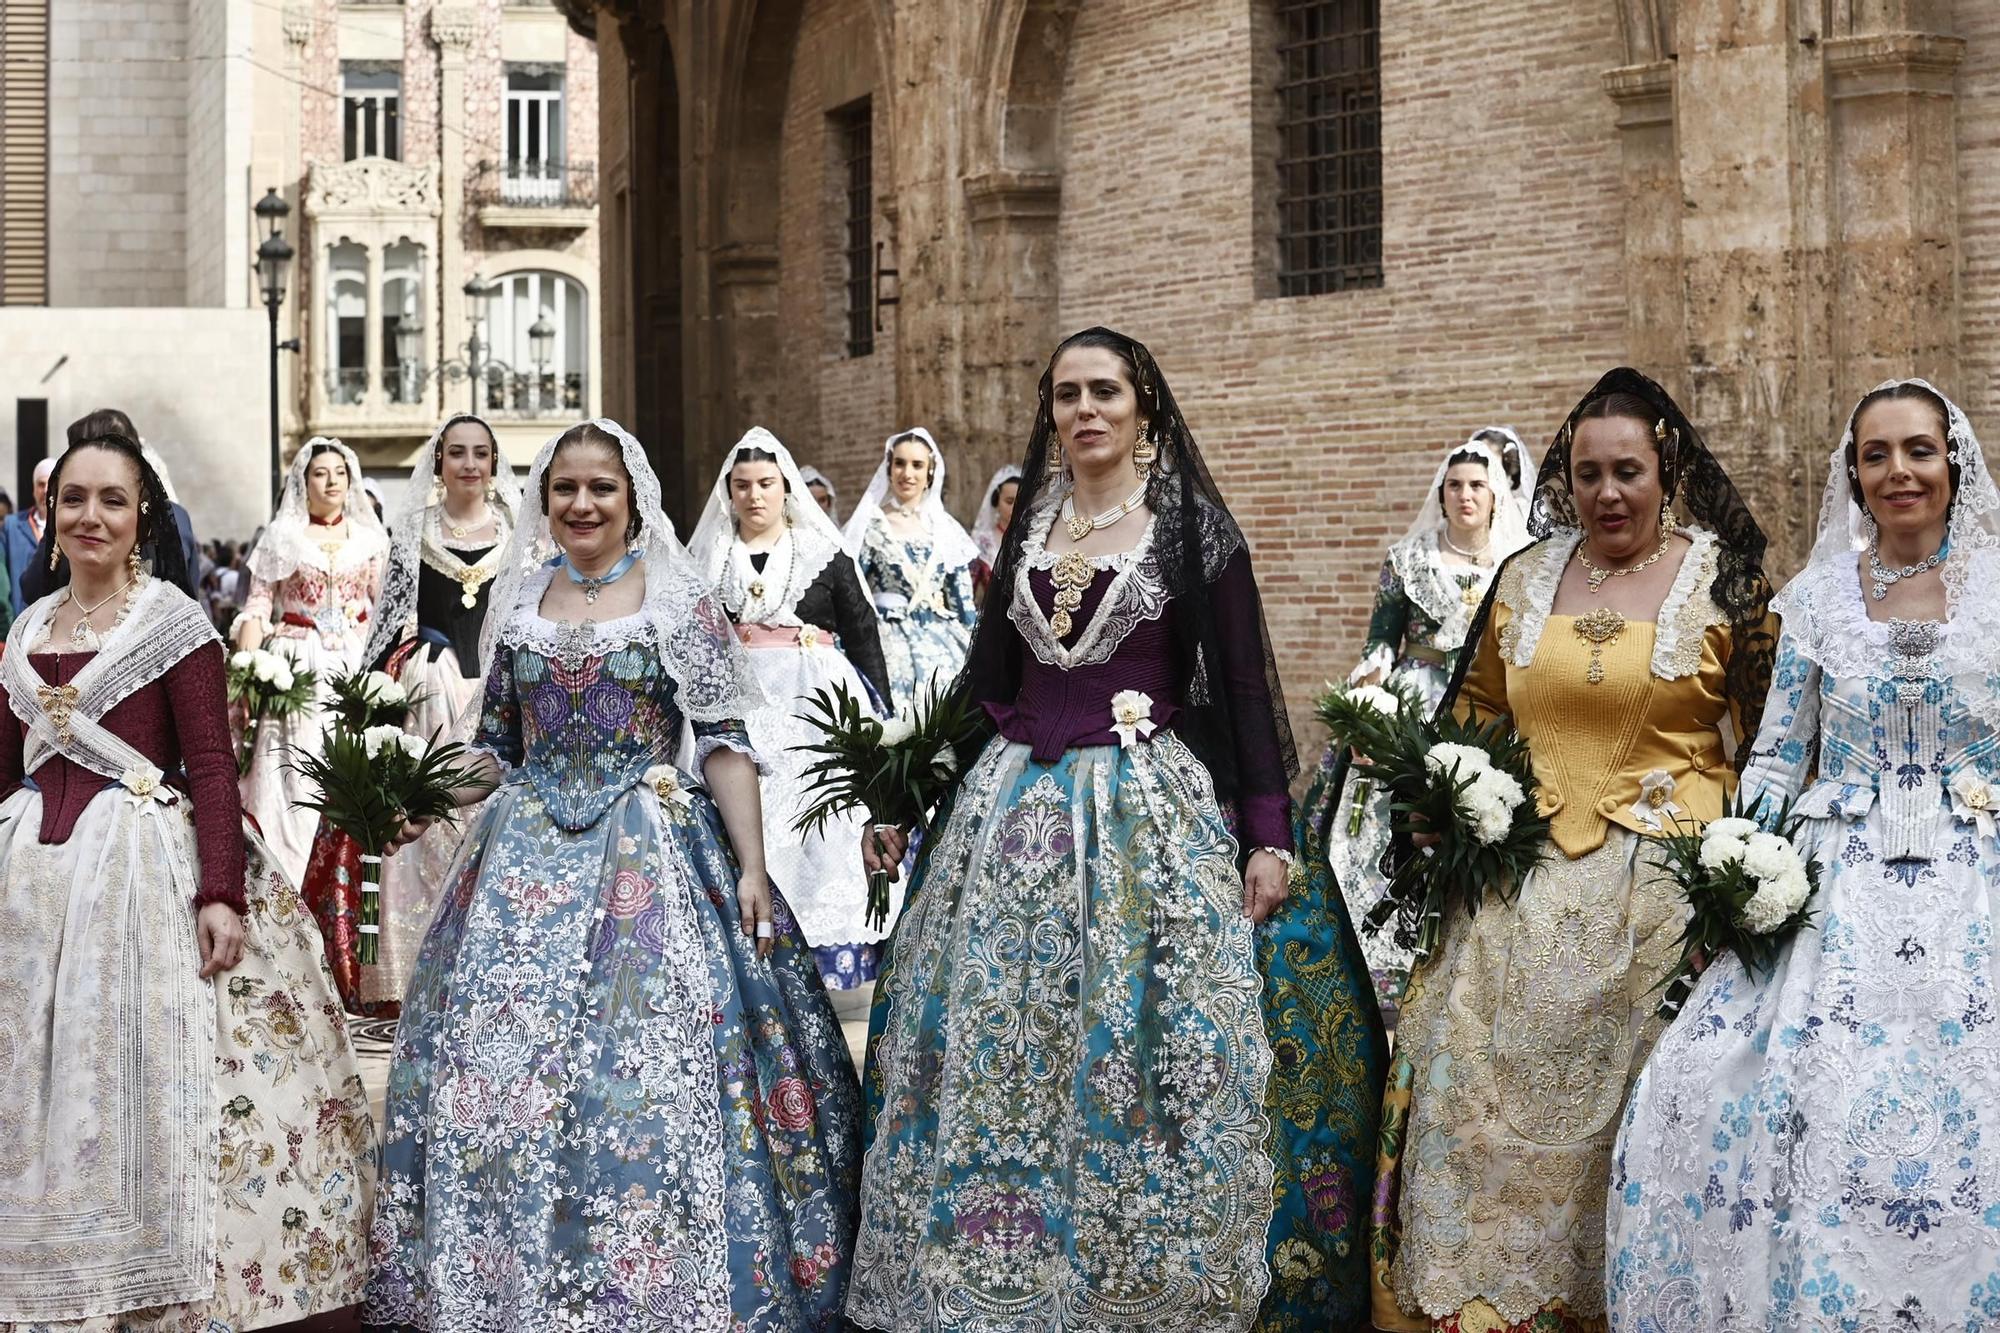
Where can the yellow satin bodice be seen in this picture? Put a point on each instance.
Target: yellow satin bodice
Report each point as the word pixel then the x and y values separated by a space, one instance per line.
pixel 1605 751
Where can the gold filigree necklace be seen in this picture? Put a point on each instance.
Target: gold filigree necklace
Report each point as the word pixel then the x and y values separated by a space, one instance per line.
pixel 1598 573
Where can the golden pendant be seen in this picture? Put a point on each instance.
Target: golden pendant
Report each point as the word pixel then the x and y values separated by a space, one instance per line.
pixel 1072 574
pixel 59 702
pixel 1079 527
pixel 470 580
pixel 1598 628
pixel 757 589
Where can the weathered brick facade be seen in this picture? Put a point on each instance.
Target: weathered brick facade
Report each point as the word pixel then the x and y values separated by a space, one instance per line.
pixel 1768 204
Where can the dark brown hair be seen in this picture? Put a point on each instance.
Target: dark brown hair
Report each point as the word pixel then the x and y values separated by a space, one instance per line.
pixel 1904 392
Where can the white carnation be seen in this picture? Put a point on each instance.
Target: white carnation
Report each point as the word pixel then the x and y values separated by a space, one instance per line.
pixel 413 746
pixel 1768 856
pixel 240 660
pixel 264 665
pixel 897 730
pixel 1498 786
pixel 1462 761
pixel 1732 827
pixel 281 678
pixel 375 739
pixel 1718 853
pixel 1775 901
pixel 381 688
pixel 1375 697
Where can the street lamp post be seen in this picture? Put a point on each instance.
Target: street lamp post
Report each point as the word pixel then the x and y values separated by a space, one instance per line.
pixel 274 257
pixel 477 363
pixel 541 346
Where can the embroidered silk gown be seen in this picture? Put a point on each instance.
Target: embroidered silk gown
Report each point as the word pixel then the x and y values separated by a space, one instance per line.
pixel 1518 1040
pixel 1423 608
pixel 437 664
pixel 926 612
pixel 606 1111
pixel 803 640
pixel 1817 1150
pixel 319 617
pixel 175 1153
pixel 1071 1083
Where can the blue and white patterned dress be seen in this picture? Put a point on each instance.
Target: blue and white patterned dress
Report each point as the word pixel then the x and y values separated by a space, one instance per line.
pixel 606 1112
pixel 926 612
pixel 1821 1150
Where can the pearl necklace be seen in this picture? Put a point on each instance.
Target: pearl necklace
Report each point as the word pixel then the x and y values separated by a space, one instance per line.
pixel 1883 576
pixel 1476 556
pixel 1080 527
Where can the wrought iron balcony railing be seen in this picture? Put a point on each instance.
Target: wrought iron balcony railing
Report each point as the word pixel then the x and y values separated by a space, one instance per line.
pixel 536 184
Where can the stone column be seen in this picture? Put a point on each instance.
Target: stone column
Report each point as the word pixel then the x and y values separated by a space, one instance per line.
pixel 1655 315
pixel 374 394
pixel 1895 204
pixel 1751 137
pixel 452 27
pixel 1012 293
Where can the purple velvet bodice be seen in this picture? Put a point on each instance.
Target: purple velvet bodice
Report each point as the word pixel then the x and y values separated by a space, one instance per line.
pixel 1058 710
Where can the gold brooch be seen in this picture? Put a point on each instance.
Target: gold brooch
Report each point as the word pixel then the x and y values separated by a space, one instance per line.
pixel 1598 628
pixel 58 701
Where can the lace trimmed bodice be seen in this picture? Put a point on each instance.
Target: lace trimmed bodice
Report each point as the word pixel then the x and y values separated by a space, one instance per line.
pixel 908 581
pixel 582 711
pixel 1897 712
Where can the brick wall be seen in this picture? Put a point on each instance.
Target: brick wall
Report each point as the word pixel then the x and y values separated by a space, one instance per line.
pixel 118 105
pixel 1323 416
pixel 1978 390
pixel 834 410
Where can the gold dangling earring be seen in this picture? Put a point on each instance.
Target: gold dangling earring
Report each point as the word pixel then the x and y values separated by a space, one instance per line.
pixel 132 563
pixel 1055 464
pixel 1144 450
pixel 437 492
pixel 55 554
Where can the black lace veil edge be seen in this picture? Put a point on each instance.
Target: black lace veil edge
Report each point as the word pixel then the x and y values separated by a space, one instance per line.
pixel 1705 495
pixel 1191 512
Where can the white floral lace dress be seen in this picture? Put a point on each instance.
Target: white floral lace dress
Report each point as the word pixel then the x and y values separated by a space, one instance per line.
pixel 1821 1149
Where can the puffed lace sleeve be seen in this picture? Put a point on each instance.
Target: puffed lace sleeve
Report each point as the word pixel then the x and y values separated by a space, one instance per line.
pixel 1386 626
pixel 1783 752
pixel 499 731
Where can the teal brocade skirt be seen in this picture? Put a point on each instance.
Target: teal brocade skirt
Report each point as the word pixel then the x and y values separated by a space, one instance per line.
pixel 1097 1094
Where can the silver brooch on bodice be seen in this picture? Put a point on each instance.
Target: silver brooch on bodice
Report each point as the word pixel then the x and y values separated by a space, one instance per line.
pixel 1913 641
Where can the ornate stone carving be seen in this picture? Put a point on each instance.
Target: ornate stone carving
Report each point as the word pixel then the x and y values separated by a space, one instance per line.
pixel 454 26
pixel 373 187
pixel 298 23
pixel 1644 93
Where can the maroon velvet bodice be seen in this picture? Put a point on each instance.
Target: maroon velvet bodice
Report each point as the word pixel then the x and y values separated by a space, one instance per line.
pixel 1058 710
pixel 180 721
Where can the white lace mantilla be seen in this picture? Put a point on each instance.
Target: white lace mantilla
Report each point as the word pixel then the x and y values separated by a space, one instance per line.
pixel 1685 612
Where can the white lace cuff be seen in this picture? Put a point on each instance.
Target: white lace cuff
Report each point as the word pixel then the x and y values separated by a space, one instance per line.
pixel 704 746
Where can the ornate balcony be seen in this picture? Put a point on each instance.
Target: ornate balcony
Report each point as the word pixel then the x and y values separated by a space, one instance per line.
pixel 538 196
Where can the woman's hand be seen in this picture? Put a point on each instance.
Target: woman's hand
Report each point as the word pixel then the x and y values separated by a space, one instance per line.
pixel 753 902
pixel 412 830
pixel 1420 833
pixel 883 847
pixel 249 634
pixel 219 931
pixel 1265 885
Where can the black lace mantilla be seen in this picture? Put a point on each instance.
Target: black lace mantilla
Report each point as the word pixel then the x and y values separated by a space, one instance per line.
pixel 1708 498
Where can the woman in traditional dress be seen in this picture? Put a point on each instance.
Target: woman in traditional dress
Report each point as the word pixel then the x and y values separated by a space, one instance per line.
pixel 1070 1068
pixel 186 1142
pixel 314 576
pixel 822 492
pixel 1632 653
pixel 1433 580
pixel 620 1097
pixel 1815 1149
pixel 454 516
pixel 917 563
pixel 989 528
pixel 776 562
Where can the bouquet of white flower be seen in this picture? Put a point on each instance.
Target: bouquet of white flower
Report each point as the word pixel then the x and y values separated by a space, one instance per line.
pixel 267 684
pixel 897 770
pixel 1470 786
pixel 1748 887
pixel 373 780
